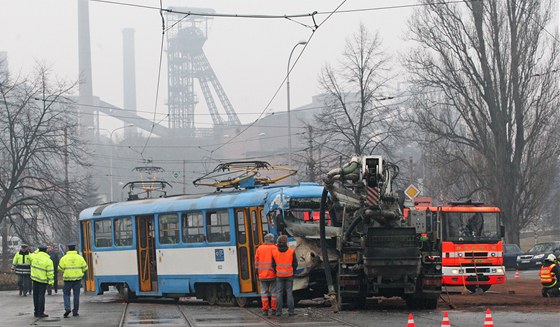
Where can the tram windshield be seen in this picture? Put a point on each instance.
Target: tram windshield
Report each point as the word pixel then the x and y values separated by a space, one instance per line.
pixel 471 226
pixel 307 210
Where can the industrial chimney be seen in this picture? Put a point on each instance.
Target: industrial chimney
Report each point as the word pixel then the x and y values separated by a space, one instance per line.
pixel 84 56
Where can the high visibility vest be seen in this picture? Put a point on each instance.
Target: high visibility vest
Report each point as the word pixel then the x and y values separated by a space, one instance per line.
pixel 73 265
pixel 284 261
pixel 548 278
pixel 22 263
pixel 42 270
pixel 263 261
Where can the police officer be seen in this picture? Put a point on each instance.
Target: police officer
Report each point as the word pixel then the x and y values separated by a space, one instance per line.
pixel 42 274
pixel 549 277
pixel 267 275
pixel 73 267
pixel 21 264
pixel 284 262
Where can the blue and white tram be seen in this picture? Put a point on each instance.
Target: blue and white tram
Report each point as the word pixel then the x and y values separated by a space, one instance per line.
pixel 179 246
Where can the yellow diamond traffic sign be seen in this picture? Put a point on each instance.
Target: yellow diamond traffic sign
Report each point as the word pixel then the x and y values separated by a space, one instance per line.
pixel 411 191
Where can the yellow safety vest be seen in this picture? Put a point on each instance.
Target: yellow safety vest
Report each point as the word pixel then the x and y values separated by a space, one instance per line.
pixel 42 270
pixel 22 263
pixel 73 265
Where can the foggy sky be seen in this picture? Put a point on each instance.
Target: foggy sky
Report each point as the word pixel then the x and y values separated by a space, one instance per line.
pixel 249 56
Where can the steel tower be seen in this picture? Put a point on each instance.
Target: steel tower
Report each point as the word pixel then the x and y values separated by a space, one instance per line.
pixel 186 62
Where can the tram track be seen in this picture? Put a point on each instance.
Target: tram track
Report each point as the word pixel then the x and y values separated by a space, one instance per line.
pixel 154 314
pixel 302 320
pixel 201 314
pixel 123 315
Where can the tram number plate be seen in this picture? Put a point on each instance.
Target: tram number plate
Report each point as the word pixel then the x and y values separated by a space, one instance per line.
pixel 219 254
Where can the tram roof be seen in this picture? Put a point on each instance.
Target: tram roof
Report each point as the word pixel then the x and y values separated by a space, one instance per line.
pixel 217 200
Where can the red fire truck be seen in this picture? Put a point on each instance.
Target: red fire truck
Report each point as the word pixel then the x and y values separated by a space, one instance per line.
pixel 472 250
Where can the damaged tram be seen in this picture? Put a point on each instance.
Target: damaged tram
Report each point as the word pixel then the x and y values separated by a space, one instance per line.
pixel 201 246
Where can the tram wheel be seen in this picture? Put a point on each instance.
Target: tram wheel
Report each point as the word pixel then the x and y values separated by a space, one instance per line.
pixel 241 301
pixel 128 294
pixel 211 295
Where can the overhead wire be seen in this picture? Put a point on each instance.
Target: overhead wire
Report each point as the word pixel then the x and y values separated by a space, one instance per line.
pixel 285 77
pixel 188 13
pixel 159 76
pixel 285 16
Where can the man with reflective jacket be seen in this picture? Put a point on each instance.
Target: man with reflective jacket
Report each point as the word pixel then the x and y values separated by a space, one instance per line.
pixel 42 274
pixel 267 275
pixel 549 277
pixel 21 264
pixel 284 262
pixel 73 267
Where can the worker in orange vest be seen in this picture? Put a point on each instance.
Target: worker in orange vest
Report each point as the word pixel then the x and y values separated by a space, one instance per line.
pixel 284 262
pixel 267 275
pixel 549 277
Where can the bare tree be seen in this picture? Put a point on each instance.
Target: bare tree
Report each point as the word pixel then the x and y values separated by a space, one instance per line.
pixel 41 156
pixel 355 120
pixel 489 100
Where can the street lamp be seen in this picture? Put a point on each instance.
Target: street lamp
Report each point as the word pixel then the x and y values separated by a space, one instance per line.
pixel 288 102
pixel 111 157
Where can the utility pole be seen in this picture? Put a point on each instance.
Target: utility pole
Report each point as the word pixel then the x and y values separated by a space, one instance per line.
pixel 184 176
pixel 410 169
pixel 310 160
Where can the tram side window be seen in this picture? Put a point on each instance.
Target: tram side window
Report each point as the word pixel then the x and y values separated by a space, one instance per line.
pixel 123 231
pixel 241 230
pixel 264 222
pixel 103 233
pixel 169 229
pixel 193 227
pixel 218 226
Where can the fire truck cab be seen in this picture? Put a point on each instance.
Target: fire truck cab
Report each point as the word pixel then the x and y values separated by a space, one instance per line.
pixel 472 249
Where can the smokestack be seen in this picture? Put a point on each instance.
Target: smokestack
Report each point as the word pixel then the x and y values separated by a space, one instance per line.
pixel 129 75
pixel 84 56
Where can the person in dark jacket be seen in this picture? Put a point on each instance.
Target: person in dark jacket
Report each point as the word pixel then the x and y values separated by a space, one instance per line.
pixel 54 257
pixel 284 261
pixel 21 264
pixel 42 274
pixel 549 277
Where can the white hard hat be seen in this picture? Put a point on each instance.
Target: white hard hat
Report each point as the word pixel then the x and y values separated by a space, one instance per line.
pixel 551 257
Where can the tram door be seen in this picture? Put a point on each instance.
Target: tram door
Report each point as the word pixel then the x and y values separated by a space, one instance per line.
pixel 86 250
pixel 147 268
pixel 249 237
